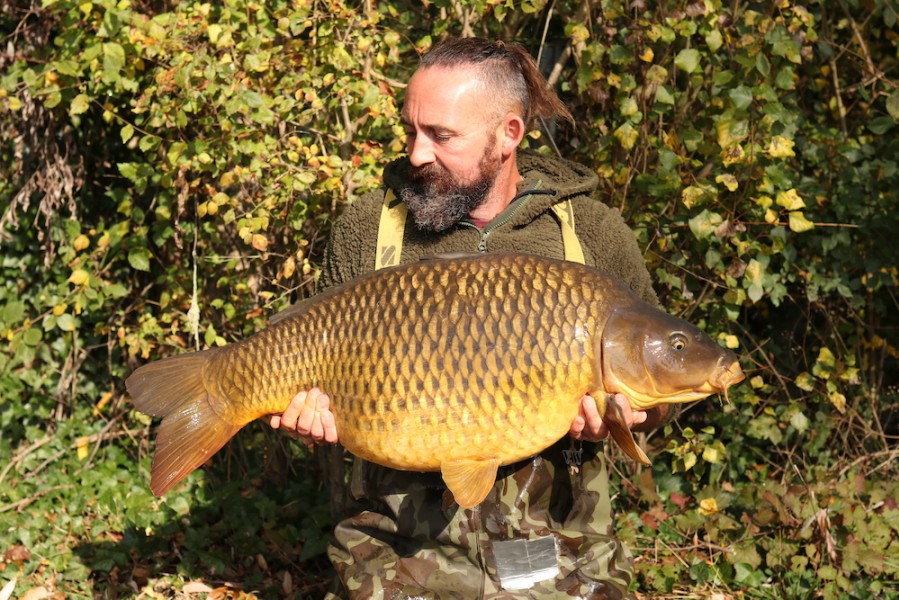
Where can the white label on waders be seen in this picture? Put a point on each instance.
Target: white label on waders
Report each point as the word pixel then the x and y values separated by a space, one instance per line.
pixel 522 563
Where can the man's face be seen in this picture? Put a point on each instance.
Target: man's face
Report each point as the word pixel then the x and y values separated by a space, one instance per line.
pixel 451 144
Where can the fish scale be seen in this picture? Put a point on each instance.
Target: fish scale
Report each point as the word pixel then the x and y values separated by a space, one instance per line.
pixel 456 364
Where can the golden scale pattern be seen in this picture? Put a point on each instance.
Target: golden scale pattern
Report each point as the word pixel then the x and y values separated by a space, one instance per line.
pixel 449 340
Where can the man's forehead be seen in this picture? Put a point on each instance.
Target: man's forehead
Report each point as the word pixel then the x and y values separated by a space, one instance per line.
pixel 441 93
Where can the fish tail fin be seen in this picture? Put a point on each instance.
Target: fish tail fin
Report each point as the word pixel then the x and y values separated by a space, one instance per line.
pixel 195 423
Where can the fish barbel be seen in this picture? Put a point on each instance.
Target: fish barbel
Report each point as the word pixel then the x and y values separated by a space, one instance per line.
pixel 455 364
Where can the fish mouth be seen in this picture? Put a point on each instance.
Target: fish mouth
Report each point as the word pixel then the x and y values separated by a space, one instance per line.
pixel 728 374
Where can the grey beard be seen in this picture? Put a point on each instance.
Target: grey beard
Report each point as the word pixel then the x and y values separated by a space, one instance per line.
pixel 437 211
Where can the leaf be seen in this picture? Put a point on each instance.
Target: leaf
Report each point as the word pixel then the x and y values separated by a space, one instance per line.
pixel 664 95
pixel 13 312
pixel 881 125
pixel 82 447
pixel 32 336
pixel 79 277
pixel 704 224
pixel 799 223
pixel 66 322
pixel 80 104
pixel 626 136
pixel 741 96
pixel 799 421
pixel 126 133
pixel 805 381
pixel 708 506
pixel 687 60
pixel 196 587
pixel 729 181
pixel 780 147
pixel 113 61
pixel 790 200
pixel 139 259
pixel 689 460
pixel 714 40
pixel 893 105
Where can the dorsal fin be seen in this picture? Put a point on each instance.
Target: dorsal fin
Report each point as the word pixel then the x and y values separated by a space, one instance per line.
pixel 291 311
pixel 470 480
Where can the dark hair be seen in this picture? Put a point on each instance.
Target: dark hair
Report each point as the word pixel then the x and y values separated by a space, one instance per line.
pixel 505 68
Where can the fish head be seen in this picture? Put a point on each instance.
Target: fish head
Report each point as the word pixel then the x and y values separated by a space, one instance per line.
pixel 655 358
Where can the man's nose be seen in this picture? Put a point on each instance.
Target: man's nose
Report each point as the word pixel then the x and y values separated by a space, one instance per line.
pixel 421 150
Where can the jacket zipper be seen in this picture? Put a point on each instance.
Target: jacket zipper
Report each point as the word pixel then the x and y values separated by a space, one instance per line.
pixel 485 233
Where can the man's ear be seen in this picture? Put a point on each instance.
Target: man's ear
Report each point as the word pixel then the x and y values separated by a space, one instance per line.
pixel 512 133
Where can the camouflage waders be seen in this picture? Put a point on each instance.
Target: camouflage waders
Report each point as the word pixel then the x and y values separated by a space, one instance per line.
pixel 413 541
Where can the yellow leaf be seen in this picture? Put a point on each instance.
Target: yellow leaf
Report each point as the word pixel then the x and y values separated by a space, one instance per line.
pixel 733 155
pixel 259 241
pixel 214 32
pixel 799 223
pixel 647 55
pixel 764 201
pixel 79 277
pixel 839 401
pixel 780 147
pixel 729 181
pixel 626 136
pixel 708 506
pixel 790 200
pixel 81 242
pixel 690 195
pixel 102 402
pixel 82 446
pixel 732 342
pixel 711 454
pixel 59 309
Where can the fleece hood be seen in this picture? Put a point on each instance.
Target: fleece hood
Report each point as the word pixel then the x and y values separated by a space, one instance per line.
pixel 554 179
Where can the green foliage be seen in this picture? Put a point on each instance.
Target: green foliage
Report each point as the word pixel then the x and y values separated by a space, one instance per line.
pixel 168 174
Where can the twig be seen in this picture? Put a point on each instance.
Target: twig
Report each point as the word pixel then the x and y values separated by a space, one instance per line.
pixel 21 504
pixel 23 453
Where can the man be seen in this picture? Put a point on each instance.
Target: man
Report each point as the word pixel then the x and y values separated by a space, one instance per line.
pixel 544 531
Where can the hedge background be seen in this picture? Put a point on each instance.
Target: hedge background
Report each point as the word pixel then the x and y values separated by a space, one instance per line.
pixel 169 172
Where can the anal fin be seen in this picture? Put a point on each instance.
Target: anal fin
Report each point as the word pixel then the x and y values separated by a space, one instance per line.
pixel 470 480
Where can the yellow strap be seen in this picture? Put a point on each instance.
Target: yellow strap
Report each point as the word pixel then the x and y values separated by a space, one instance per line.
pixel 393 224
pixel 390 231
pixel 574 252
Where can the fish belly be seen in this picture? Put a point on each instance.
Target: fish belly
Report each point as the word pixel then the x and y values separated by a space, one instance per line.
pixel 452 363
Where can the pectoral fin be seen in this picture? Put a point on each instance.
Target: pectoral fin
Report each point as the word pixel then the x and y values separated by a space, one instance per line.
pixel 470 480
pixel 614 420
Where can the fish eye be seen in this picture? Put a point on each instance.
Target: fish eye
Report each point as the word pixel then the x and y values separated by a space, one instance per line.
pixel 678 341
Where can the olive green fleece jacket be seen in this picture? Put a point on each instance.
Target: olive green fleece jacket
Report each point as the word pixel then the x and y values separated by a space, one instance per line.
pixel 528 225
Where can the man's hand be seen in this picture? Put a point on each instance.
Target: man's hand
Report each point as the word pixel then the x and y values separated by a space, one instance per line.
pixel 588 424
pixel 308 417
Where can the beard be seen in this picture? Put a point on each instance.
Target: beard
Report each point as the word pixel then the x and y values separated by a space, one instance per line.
pixel 437 200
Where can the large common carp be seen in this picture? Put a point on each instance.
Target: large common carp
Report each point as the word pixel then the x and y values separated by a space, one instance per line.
pixel 458 364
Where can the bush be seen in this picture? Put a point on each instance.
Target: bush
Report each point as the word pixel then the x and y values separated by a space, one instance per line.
pixel 170 172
